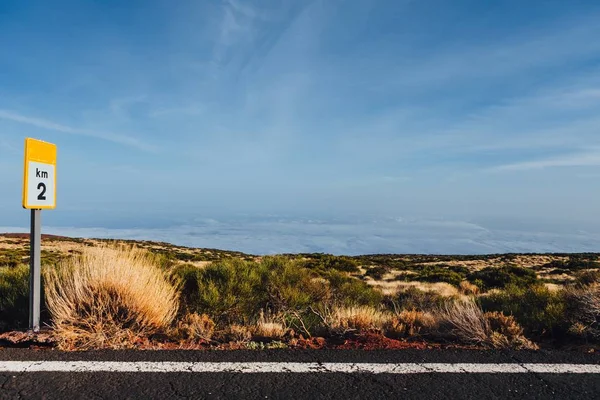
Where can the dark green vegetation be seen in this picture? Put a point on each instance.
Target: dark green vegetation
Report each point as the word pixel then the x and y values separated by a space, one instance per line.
pixel 540 311
pixel 302 291
pixel 502 277
pixel 236 291
pixel 14 297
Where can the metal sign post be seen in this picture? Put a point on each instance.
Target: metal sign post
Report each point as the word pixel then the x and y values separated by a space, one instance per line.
pixel 35 270
pixel 39 192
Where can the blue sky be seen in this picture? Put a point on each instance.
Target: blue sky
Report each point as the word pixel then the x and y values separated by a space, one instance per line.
pixel 162 110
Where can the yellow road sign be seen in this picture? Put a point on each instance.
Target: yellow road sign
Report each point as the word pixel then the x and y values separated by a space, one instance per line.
pixel 39 179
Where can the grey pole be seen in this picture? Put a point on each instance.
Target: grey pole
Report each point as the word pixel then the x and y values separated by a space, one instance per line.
pixel 35 240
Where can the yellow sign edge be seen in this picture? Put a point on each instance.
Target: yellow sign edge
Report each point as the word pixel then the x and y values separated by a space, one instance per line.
pixel 26 175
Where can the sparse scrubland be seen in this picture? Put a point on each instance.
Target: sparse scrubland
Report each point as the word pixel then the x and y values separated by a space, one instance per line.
pixel 107 294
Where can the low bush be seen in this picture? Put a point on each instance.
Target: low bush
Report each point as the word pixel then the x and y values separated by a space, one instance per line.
pixel 441 273
pixel 234 333
pixel 328 262
pixel 417 299
pixel 349 291
pixel 107 297
pixel 186 275
pixel 537 309
pixel 269 327
pixel 339 320
pixel 289 286
pixel 505 332
pixel 12 258
pixel 234 291
pixel 377 272
pixel 501 277
pixel 193 327
pixel 14 297
pixel 229 291
pixel 466 322
pixel 574 263
pixel 468 289
pixel 410 323
pixel 583 312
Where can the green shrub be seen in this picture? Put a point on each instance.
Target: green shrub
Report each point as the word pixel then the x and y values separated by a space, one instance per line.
pixel 377 272
pixel 14 297
pixel 574 263
pixel 537 309
pixel 13 257
pixel 235 291
pixel 328 262
pixel 187 276
pixel 416 299
pixel 502 277
pixel 231 290
pixel 289 286
pixel 349 291
pixel 453 275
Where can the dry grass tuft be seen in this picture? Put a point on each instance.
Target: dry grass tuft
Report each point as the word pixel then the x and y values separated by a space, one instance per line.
pixel 468 289
pixel 341 320
pixel 235 333
pixel 584 311
pixel 194 326
pixel 410 323
pixel 269 327
pixel 465 321
pixel 506 332
pixel 108 297
pixel 393 288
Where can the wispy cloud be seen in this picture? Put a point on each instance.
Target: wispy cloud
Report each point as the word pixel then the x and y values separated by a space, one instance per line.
pixel 46 124
pixel 524 51
pixel 581 159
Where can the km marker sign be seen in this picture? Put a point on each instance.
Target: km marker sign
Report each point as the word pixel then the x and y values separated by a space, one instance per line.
pixel 39 193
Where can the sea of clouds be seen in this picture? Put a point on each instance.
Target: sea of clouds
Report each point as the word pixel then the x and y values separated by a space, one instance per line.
pixel 347 236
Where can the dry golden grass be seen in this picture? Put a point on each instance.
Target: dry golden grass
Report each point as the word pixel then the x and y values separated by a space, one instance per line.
pixel 442 288
pixel 234 333
pixel 269 326
pixel 410 323
pixel 108 297
pixel 585 311
pixel 469 324
pixel 357 318
pixel 466 321
pixel 193 327
pixel 468 289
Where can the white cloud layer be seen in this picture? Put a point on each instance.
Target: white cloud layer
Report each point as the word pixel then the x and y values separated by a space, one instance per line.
pixel 350 238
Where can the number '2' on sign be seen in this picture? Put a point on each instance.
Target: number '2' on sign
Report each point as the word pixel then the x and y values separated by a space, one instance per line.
pixel 39 183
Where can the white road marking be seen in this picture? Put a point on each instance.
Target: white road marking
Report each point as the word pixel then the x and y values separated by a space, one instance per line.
pixel 294 367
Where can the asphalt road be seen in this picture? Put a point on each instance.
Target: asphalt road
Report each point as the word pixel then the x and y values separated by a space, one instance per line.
pixel 320 384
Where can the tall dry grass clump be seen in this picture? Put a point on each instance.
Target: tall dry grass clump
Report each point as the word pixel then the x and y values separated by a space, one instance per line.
pixel 468 289
pixel 411 323
pixel 269 326
pixel 109 297
pixel 193 327
pixel 465 320
pixel 339 320
pixel 583 311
